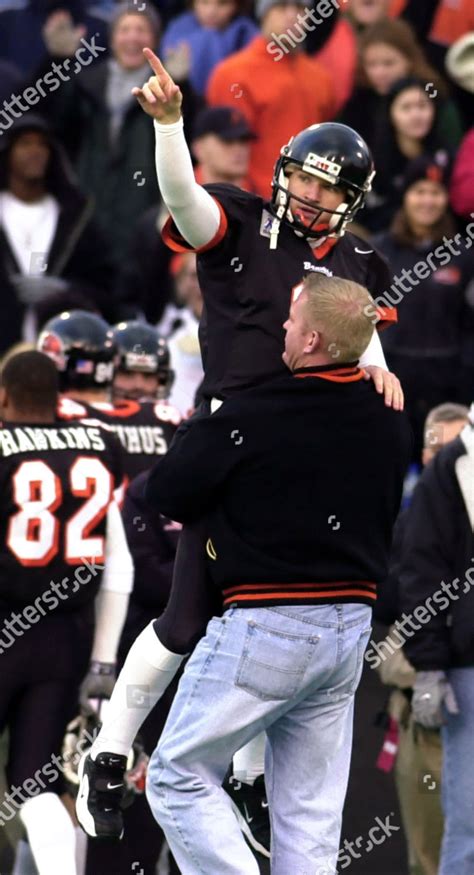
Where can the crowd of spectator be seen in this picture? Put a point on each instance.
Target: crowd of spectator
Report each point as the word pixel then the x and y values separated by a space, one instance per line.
pixel 80 208
pixel 80 225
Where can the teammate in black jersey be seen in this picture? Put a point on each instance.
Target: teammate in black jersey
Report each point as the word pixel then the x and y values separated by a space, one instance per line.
pixel 143 421
pixel 94 361
pixel 143 371
pixel 59 527
pixel 251 255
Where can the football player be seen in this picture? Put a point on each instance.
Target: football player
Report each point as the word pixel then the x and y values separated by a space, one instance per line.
pixel 130 361
pixel 251 255
pixel 65 578
pixel 143 371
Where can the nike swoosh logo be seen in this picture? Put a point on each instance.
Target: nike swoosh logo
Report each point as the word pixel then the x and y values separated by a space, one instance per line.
pixel 363 251
pixel 113 786
pixel 249 819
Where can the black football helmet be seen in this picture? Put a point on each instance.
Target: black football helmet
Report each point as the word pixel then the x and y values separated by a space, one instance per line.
pixel 79 344
pixel 141 349
pixel 334 153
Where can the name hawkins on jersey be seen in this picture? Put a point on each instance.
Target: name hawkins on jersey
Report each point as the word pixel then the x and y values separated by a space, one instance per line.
pixel 30 439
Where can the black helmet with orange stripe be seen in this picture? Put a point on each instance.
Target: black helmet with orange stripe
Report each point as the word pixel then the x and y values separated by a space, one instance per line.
pixel 79 344
pixel 337 155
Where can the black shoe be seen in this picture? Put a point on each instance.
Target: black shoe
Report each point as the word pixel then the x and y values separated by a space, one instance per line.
pixel 251 808
pixel 101 789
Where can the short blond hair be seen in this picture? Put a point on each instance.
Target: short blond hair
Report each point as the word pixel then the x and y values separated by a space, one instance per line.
pixel 336 308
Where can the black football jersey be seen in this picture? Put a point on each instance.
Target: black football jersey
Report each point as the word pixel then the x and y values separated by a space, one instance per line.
pixel 145 429
pixel 247 287
pixel 57 482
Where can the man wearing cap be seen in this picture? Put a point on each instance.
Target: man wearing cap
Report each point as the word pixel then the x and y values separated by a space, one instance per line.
pixel 221 145
pixel 277 86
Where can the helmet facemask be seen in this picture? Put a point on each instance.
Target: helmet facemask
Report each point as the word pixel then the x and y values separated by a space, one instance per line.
pixel 335 154
pixel 339 217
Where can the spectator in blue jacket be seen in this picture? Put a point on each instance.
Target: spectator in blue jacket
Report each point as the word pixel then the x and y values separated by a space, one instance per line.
pixel 199 39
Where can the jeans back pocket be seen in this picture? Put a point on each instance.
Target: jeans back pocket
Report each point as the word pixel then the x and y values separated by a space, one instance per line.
pixel 273 663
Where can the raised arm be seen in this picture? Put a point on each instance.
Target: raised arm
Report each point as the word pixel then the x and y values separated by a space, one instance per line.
pixel 195 213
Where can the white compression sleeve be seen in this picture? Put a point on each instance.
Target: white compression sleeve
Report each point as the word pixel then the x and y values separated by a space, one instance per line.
pixel 374 354
pixel 118 571
pixel 194 211
pixel 117 580
pixel 147 671
pixel 111 611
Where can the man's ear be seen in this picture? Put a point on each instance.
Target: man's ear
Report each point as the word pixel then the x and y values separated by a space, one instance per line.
pixel 314 343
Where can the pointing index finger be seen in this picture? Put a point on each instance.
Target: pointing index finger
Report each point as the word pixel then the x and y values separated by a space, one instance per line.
pixel 155 63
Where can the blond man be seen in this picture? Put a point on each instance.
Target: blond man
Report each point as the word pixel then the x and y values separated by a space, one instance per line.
pixel 299 506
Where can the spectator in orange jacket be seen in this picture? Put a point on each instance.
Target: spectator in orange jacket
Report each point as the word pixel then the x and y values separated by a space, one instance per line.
pixel 452 21
pixel 277 87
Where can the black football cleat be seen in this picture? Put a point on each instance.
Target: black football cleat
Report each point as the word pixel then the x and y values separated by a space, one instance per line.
pixel 99 799
pixel 251 809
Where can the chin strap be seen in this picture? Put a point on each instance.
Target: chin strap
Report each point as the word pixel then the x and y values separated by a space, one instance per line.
pixel 283 209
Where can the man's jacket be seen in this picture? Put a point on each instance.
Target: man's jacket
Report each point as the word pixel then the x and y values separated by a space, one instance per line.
pixel 300 480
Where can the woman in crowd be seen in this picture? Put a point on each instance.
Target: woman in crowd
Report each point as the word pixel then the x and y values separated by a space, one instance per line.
pixel 431 268
pixel 339 50
pixel 389 52
pixel 411 131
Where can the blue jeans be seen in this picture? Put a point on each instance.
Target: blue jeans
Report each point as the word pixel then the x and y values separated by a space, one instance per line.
pixel 457 849
pixel 292 672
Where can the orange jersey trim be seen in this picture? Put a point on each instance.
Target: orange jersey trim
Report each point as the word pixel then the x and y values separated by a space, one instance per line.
pixel 123 408
pixel 175 241
pixel 338 376
pixel 387 316
pixel 323 249
pixel 260 586
pixel 331 593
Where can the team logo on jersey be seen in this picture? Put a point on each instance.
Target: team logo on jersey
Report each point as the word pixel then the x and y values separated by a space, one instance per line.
pixel 308 265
